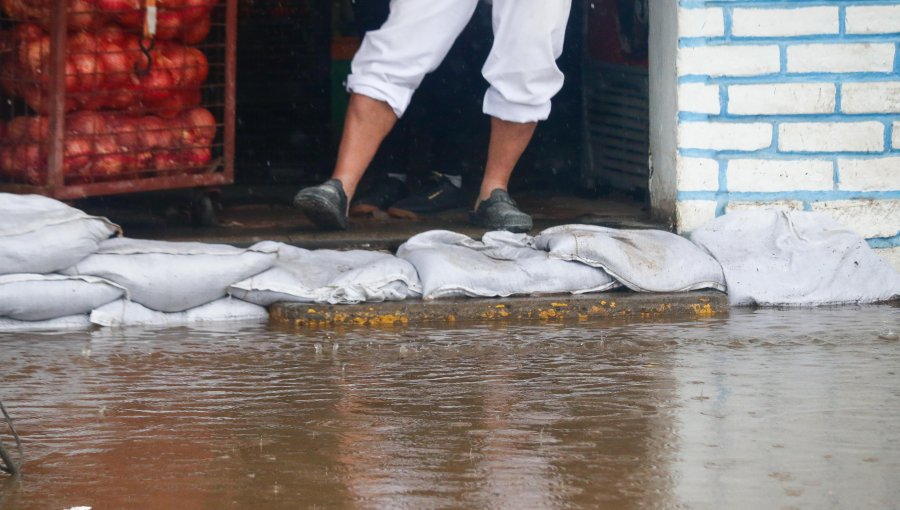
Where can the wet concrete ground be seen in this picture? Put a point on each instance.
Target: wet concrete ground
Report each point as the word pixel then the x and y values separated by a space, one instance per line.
pixel 760 409
pixel 252 214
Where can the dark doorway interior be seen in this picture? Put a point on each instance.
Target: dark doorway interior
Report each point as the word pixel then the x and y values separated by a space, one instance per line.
pixel 289 73
pixel 616 113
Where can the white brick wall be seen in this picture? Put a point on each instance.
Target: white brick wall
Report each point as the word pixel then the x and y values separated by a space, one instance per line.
pixel 729 60
pixel 840 58
pixel 873 19
pixel 693 214
pixel 699 98
pixel 881 174
pixel 872 97
pixel 891 256
pixel 781 98
pixel 785 22
pixel 780 205
pixel 725 135
pixel 780 175
pixel 789 65
pixel 869 218
pixel 831 137
pixel 697 174
pixel 701 22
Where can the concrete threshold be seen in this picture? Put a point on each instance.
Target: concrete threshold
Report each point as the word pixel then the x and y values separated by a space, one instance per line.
pixel 616 306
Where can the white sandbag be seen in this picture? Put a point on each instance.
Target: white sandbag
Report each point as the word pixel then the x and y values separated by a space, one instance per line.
pixel 328 276
pixel 502 264
pixel 172 277
pixel 72 322
pixel 643 260
pixel 795 258
pixel 41 235
pixel 35 297
pixel 129 313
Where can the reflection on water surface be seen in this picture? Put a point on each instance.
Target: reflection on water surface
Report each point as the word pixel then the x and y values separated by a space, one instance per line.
pixel 763 409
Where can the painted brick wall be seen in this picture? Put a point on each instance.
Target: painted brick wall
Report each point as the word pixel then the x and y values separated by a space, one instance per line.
pixel 790 104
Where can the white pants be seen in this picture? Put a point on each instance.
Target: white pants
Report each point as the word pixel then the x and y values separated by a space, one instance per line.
pixel 521 68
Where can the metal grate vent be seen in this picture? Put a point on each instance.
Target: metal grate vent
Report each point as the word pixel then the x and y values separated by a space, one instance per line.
pixel 616 126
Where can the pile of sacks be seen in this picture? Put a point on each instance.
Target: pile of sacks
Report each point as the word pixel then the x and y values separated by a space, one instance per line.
pixel 60 267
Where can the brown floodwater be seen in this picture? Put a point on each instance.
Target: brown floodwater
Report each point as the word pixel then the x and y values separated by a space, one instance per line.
pixel 763 409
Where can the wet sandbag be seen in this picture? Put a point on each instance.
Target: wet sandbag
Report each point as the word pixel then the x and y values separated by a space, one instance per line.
pixel 329 276
pixel 71 322
pixel 173 277
pixel 501 264
pixel 35 297
pixel 129 313
pixel 795 258
pixel 41 235
pixel 643 260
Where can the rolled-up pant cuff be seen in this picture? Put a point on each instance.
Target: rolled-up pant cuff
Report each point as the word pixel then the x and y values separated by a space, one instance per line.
pixel 397 97
pixel 496 105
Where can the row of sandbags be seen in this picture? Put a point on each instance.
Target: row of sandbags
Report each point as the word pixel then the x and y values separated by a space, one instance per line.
pixel 59 264
pixel 59 269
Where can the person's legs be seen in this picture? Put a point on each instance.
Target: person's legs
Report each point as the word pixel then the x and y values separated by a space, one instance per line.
pixel 522 71
pixel 368 121
pixel 386 71
pixel 388 169
pixel 508 142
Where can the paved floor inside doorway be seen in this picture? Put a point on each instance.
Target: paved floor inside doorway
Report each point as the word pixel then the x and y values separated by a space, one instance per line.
pixel 251 214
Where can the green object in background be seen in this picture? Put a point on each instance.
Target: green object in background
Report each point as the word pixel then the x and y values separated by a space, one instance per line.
pixel 340 69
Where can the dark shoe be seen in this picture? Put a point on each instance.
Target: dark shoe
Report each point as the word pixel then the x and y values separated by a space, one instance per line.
pixel 439 195
pixel 383 193
pixel 325 205
pixel 499 212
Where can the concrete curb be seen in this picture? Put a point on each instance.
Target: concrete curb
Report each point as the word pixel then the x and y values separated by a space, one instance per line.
pixel 617 306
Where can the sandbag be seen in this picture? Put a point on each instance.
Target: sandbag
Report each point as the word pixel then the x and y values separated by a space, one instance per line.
pixel 129 313
pixel 795 258
pixel 173 277
pixel 41 235
pixel 35 297
pixel 329 276
pixel 501 264
pixel 643 260
pixel 72 322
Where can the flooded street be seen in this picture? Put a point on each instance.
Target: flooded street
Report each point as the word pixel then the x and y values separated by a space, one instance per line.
pixel 765 409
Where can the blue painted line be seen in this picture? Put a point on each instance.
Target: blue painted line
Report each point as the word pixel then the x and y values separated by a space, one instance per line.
pixel 884 242
pixel 723 101
pixel 770 154
pixel 888 133
pixel 842 20
pixel 772 196
pixel 837 176
pixel 772 78
pixel 722 194
pixel 782 58
pixel 732 118
pixel 776 135
pixel 693 42
pixel 781 4
pixel 723 176
pixel 839 97
pixel 728 16
pixel 721 204
pixel 897 59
